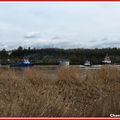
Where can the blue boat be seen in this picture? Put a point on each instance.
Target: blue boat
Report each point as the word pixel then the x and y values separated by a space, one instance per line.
pixel 25 63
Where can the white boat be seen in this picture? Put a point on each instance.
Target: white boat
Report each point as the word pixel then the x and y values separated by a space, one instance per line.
pixel 106 60
pixel 64 62
pixel 87 63
pixel 82 66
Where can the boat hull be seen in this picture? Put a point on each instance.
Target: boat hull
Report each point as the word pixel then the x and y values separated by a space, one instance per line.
pixel 21 65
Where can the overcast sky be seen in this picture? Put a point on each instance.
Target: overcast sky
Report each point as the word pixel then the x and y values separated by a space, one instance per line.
pixel 62 25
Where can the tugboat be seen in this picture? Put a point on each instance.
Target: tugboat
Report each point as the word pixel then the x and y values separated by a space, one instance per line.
pixel 106 60
pixel 87 63
pixel 25 63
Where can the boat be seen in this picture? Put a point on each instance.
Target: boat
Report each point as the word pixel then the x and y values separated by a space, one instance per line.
pixel 64 63
pixel 106 60
pixel 24 63
pixel 82 66
pixel 87 63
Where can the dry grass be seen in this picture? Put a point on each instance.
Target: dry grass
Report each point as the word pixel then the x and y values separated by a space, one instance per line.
pixel 67 92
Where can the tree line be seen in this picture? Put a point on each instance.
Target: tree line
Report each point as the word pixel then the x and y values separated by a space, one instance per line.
pixel 53 55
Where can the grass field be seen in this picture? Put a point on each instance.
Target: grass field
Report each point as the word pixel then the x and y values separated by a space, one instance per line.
pixel 59 93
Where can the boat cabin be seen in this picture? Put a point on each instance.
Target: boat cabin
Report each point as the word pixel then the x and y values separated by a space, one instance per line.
pixel 26 61
pixel 106 60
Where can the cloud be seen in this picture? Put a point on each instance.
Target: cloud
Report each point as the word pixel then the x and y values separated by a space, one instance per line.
pixel 56 38
pixel 31 35
pixel 62 24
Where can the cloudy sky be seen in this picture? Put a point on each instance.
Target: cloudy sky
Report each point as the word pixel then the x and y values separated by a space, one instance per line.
pixel 62 25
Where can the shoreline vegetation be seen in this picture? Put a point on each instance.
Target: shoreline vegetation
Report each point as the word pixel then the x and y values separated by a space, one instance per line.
pixel 65 92
pixel 52 56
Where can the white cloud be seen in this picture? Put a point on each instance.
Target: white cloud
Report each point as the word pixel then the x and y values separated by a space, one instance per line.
pixel 32 35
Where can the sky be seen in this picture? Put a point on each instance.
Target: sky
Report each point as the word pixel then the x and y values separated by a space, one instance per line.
pixel 59 24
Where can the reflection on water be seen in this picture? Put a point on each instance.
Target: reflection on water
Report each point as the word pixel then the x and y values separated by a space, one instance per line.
pixel 41 67
pixel 38 67
pixel 52 67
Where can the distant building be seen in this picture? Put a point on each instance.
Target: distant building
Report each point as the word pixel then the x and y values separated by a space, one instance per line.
pixel 8 60
pixel 9 52
pixel 106 60
pixel 64 62
pixel 87 63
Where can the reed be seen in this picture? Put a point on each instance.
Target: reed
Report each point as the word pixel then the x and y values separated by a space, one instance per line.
pixel 65 92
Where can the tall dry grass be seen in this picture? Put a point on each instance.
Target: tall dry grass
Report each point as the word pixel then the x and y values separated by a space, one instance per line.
pixel 65 92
